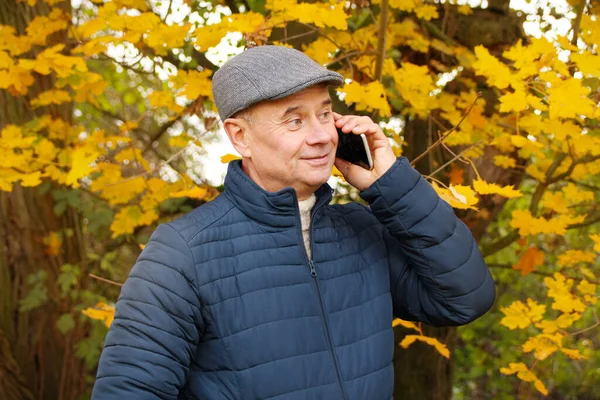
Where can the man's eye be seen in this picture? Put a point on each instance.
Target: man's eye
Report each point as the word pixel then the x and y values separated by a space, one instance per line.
pixel 326 115
pixel 295 122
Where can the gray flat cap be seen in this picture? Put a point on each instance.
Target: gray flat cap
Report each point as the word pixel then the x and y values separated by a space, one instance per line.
pixel 266 73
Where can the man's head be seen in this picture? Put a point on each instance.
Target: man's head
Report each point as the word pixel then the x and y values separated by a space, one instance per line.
pixel 276 111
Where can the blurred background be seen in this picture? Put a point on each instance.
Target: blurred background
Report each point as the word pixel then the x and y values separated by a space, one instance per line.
pixel 107 128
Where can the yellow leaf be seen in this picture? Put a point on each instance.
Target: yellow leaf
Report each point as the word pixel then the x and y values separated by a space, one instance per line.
pixel 16 78
pixel 559 288
pixel 407 324
pixel 81 164
pixel 531 259
pixel 556 202
pixel 101 311
pixel 586 287
pixel 195 193
pixel 569 99
pixel 596 239
pixel 461 197
pixel 496 72
pixel 227 158
pixel 528 225
pixel 53 242
pixel 465 9
pixel 573 257
pixel 543 345
pixel 53 96
pixel 521 370
pixel 516 101
pixel 367 97
pixel 573 354
pixel 415 84
pixel 483 187
pixel 505 161
pixel 440 347
pixel 193 84
pixel 129 218
pixel 539 385
pixel 519 315
pixel 562 322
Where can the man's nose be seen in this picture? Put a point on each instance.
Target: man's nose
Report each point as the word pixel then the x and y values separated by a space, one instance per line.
pixel 319 134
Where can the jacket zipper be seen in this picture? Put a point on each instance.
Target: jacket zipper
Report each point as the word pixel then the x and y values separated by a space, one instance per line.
pixel 313 273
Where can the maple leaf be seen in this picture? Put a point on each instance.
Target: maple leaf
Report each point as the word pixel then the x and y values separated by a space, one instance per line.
pixel 559 288
pixel 227 158
pixel 531 259
pixel 543 345
pixel 596 239
pixel 53 96
pixel 461 197
pixel 440 347
pixel 195 193
pixel 483 187
pixel 367 97
pixel 101 311
pixel 573 354
pixel 516 101
pixel 193 84
pixel 496 72
pixel 574 257
pixel 406 324
pixel 562 322
pixel 81 164
pixel 505 161
pixel 521 370
pixel 455 176
pixel 556 202
pixel 568 99
pixel 415 84
pixel 53 242
pixel 518 315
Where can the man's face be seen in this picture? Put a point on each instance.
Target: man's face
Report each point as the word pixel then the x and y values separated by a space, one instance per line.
pixel 292 142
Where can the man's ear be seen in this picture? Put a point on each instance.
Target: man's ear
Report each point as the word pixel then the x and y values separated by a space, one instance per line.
pixel 237 131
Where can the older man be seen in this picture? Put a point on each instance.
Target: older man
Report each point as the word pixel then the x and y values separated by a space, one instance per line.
pixel 269 292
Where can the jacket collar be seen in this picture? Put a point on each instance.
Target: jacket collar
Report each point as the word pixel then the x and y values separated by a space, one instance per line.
pixel 277 209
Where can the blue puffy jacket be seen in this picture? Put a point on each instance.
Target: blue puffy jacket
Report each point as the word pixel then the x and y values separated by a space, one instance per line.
pixel 224 303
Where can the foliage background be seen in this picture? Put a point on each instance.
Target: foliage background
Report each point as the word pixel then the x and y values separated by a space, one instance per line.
pixel 107 128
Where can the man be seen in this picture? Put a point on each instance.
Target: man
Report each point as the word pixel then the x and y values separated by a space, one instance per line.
pixel 268 292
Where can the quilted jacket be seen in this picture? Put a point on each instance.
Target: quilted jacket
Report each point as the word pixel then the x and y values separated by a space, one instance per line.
pixel 224 303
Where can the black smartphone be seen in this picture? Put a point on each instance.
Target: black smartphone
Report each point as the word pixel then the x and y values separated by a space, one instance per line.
pixel 355 149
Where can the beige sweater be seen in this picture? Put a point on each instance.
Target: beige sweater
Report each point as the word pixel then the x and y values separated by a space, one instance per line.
pixel 305 209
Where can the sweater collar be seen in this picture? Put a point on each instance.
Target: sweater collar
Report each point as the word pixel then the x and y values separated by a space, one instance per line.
pixel 277 209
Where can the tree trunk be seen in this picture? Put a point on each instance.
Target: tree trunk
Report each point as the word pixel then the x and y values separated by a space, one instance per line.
pixel 36 360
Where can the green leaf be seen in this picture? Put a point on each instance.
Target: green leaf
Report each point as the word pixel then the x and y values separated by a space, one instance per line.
pixel 65 323
pixel 60 208
pixel 69 275
pixel 37 293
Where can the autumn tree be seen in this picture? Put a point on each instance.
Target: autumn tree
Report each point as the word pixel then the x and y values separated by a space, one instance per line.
pixel 106 111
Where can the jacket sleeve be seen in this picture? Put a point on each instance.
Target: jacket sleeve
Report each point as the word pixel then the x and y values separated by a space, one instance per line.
pixel 437 274
pixel 157 325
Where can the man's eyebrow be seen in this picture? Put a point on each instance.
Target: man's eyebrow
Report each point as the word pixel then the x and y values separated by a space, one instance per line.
pixel 291 109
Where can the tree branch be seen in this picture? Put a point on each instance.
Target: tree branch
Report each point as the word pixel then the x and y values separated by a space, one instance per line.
pixel 536 272
pixel 500 244
pixel 383 22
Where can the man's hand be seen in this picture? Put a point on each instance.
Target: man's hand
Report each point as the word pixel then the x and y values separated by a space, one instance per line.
pixel 381 150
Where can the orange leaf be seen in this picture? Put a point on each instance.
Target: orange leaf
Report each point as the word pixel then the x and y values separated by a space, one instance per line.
pixel 531 258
